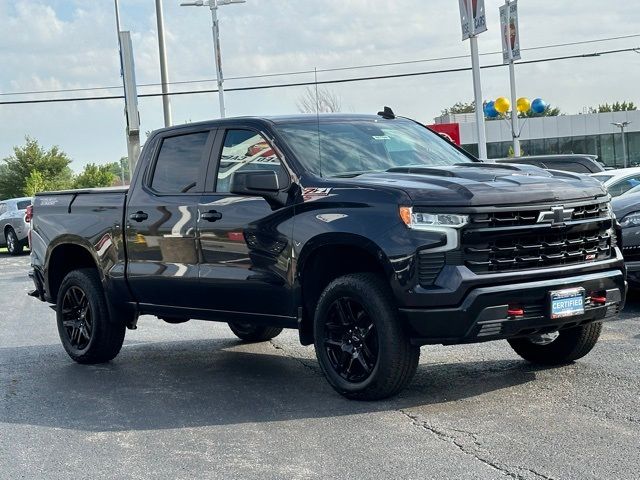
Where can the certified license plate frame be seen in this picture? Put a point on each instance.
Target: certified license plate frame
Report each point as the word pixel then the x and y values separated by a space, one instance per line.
pixel 558 311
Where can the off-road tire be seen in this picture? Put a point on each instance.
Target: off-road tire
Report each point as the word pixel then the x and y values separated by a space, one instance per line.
pixel 253 333
pixel 106 335
pixel 397 359
pixel 571 344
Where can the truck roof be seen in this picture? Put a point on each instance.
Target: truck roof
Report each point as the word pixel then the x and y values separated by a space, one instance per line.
pixel 275 119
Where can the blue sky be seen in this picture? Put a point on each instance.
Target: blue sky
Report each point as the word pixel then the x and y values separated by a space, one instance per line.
pixel 72 44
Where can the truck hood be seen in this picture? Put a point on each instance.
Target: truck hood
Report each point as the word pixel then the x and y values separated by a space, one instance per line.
pixel 484 184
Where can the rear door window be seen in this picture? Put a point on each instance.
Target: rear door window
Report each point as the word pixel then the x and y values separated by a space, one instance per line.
pixel 179 163
pixel 24 204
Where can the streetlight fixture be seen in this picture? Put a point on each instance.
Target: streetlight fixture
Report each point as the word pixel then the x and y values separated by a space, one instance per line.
pixel 622 126
pixel 213 6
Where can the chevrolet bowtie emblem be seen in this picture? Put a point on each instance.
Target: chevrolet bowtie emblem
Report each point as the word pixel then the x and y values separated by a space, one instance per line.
pixel 556 216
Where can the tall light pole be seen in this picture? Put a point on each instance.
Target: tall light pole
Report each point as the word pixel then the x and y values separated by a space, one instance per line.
pixel 164 76
pixel 622 126
pixel 213 6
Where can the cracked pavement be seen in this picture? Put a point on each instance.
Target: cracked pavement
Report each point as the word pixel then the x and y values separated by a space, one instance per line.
pixel 190 401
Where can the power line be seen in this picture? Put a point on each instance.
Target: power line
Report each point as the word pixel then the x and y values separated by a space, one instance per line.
pixel 325 70
pixel 324 82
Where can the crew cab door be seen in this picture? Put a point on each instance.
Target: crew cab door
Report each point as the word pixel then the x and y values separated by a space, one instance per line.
pixel 161 218
pixel 245 244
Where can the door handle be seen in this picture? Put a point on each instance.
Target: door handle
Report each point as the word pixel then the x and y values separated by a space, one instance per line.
pixel 138 216
pixel 211 216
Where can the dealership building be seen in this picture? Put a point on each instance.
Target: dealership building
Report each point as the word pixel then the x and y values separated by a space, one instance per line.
pixel 594 134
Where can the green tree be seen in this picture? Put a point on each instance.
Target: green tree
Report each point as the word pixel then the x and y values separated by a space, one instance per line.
pixel 614 107
pixel 94 176
pixel 35 183
pixel 120 168
pixel 549 112
pixel 52 165
pixel 460 107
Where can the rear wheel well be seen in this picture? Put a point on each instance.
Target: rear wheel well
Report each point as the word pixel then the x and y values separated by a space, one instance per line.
pixel 64 259
pixel 322 267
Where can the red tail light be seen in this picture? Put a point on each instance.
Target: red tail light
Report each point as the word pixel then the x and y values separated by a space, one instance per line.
pixel 29 215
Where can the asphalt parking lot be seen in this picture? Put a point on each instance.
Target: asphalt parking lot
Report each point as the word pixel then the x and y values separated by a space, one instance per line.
pixel 190 401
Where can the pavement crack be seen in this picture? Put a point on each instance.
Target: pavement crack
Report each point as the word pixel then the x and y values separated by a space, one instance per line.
pixel 307 365
pixel 468 443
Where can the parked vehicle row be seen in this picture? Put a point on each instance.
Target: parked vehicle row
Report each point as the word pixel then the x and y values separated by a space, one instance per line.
pixel 14 224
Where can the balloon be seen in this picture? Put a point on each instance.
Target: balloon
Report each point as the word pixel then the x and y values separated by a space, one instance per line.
pixel 490 110
pixel 524 105
pixel 502 105
pixel 538 105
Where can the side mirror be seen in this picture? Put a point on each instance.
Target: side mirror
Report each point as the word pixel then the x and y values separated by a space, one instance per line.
pixel 258 183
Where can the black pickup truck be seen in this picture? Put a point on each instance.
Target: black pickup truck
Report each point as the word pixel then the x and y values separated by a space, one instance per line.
pixel 369 234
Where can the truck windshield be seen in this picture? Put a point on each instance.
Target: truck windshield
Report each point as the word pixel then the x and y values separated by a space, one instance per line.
pixel 352 147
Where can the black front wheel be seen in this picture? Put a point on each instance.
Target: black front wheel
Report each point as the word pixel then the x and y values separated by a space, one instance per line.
pixel 14 247
pixel 360 344
pixel 87 332
pixel 253 333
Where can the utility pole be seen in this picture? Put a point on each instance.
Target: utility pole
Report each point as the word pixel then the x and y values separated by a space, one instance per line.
pixel 127 72
pixel 474 22
pixel 477 91
pixel 622 126
pixel 164 76
pixel 213 6
pixel 512 77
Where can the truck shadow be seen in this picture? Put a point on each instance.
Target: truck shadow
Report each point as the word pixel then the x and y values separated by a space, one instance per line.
pixel 153 386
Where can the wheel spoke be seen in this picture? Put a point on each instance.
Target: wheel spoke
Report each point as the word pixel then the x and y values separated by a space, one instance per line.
pixel 363 362
pixel 345 311
pixel 333 343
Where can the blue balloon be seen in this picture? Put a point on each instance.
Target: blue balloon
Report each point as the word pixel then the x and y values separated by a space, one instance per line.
pixel 538 105
pixel 490 109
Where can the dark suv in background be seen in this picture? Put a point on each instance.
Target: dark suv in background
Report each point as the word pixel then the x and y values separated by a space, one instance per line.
pixel 575 163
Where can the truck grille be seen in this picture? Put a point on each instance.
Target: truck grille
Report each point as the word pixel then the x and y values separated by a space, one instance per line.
pixel 517 218
pixel 494 243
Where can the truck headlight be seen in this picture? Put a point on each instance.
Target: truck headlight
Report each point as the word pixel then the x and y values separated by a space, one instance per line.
pixel 432 221
pixel 630 220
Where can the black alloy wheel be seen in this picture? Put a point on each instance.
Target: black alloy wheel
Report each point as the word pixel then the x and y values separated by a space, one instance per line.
pixel 361 344
pixel 88 332
pixel 351 340
pixel 77 318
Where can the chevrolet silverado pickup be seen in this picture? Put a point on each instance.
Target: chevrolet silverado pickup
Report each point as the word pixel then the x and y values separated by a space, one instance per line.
pixel 368 234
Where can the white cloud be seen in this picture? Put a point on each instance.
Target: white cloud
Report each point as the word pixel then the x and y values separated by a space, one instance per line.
pixel 71 44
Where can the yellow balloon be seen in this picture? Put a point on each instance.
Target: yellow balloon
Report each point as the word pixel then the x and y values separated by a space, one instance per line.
pixel 524 105
pixel 502 105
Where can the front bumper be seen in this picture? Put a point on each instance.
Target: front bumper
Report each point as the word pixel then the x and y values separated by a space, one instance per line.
pixel 482 315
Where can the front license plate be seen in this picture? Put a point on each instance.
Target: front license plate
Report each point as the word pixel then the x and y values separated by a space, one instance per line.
pixel 567 303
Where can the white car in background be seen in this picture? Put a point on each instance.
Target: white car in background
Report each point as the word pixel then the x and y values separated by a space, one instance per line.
pixel 619 182
pixel 14 224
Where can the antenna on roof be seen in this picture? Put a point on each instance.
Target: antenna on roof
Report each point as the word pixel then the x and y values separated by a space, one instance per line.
pixel 387 113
